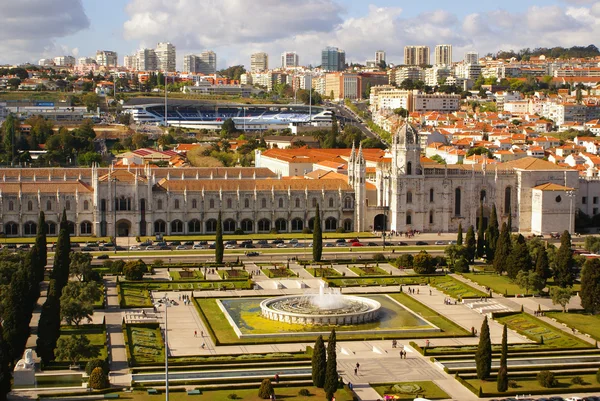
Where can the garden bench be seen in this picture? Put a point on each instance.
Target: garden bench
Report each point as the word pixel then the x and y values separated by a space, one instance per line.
pixel 152 391
pixel 194 392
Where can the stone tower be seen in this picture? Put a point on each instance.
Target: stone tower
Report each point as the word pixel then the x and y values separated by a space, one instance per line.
pixel 357 178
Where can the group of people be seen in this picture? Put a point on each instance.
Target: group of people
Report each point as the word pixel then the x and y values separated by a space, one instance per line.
pixel 356 368
pixel 402 354
pixel 449 301
pixel 186 299
pixel 411 290
pixel 255 272
pixel 538 313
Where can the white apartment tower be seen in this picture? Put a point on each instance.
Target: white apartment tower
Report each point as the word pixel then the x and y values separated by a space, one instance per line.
pixel 289 60
pixel 416 55
pixel 146 60
pixel 107 58
pixel 471 58
pixel 204 63
pixel 443 55
pixel 379 56
pixel 165 57
pixel 64 60
pixel 259 62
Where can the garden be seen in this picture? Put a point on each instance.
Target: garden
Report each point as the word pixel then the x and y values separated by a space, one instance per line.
pixel 323 271
pixel 580 321
pixel 411 390
pixel 278 271
pixel 95 334
pixel 144 343
pixel 367 270
pixel 233 274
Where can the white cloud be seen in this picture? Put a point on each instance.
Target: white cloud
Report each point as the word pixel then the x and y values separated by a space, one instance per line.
pixel 29 28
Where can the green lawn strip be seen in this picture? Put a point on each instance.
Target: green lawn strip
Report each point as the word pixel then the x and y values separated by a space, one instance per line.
pixel 455 288
pixel 226 237
pixel 227 274
pixel 144 343
pixel 278 272
pixel 134 296
pixel 576 287
pixel 411 390
pixel 499 284
pixel 186 275
pixel 323 272
pixel 534 328
pixel 530 385
pixel 96 333
pixel 369 271
pixel 382 280
pixel 99 304
pixel 585 323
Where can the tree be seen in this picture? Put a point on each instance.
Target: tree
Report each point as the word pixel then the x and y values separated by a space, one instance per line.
pixel 480 234
pixel 491 236
pixel 96 363
pixel 561 296
pixel 330 141
pixel 546 379
pixel 502 250
pixel 405 261
pixel 134 270
pixel 10 132
pixel 454 252
pixel 461 265
pixel 91 101
pixel 502 379
pixel 49 324
pixel 219 249
pixel 530 281
pixel 81 265
pixel 459 237
pixel 483 356
pixel 319 363
pixel 74 348
pixel 41 249
pixel 590 286
pixel 331 374
pixel 98 379
pixel 564 276
pixel 266 389
pixel 228 127
pixel 5 367
pixel 470 244
pixel 317 236
pixel 423 263
pixel 519 259
pixel 77 301
pixel 542 265
pixel 62 257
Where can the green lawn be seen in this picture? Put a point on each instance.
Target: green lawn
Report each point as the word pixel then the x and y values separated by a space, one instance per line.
pixel 499 284
pixel 585 323
pixel 455 288
pixel 187 275
pixel 227 274
pixel 144 343
pixel 528 384
pixel 134 296
pixel 411 390
pixel 96 333
pixel 278 272
pixel 534 329
pixel 323 272
pixel 369 271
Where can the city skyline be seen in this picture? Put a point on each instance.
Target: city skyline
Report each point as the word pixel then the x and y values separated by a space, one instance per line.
pixel 350 25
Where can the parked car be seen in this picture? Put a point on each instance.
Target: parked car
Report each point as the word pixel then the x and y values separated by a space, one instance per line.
pixel 87 249
pixel 151 248
pixel 340 240
pixel 277 241
pixel 356 244
pixel 231 242
pixel 281 245
pixel 145 243
pixel 229 246
pixel 422 243
pixel 440 243
pixel 189 243
pixel 328 245
pixel 372 244
pixel 298 245
pixel 180 247
pixel 341 244
pixel 24 246
pixel 102 256
pixel 262 241
pixel 402 243
pixel 212 246
pixel 246 242
pixel 120 248
pixel 175 243
pixel 198 246
pixel 253 253
pixel 265 246
pixel 203 242
pixel 353 240
pixel 453 242
pixel 293 241
pixel 162 243
pixel 134 248
pixel 165 248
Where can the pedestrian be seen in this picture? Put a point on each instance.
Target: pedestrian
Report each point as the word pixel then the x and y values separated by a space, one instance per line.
pixel 429 292
pixel 355 371
pixel 357 365
pixel 276 378
pixel 195 333
pixel 417 291
pixel 201 334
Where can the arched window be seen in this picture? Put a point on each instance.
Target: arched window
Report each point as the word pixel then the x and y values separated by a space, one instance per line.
pixel 408 218
pixel 297 202
pixel 246 203
pixel 297 224
pixel 176 203
pixel 431 217
pixel 48 205
pixel 431 198
pixel 229 203
pixel 348 225
pixel 159 204
pixel 85 228
pixel 86 205
pixel 482 195
pixel 330 224
pixel 29 206
pixel 264 225
pixel 409 168
pixel 160 227
pixel 68 205
pixel 263 203
pixel 211 204
pixel 194 204
pixel 71 228
pixel 30 228
pixel 176 227
pixel 247 226
pixel 229 226
pixel 314 202
pixel 50 228
pixel 11 228
pixel 457 196
pixel 347 202
pixel 194 226
pixel 507 200
pixel 11 206
pixel 211 226
pixel 280 202
pixel 281 225
pixel 331 201
pixel 409 197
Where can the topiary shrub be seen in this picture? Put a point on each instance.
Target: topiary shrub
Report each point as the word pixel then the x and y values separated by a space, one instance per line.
pixel 461 266
pixel 239 231
pixel 98 379
pixel 233 396
pixel 306 230
pixel 577 380
pixel 96 363
pixel 379 257
pixel 546 379
pixel 304 392
pixel 266 389
pixel 340 230
pixel 513 384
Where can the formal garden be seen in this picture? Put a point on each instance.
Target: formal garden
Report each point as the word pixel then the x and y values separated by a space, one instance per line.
pixel 411 390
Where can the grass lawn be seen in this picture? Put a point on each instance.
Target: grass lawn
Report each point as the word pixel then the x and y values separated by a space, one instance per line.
pixel 584 323
pixel 144 343
pixel 526 384
pixel 186 275
pixel 455 288
pixel 282 393
pixel 534 329
pixel 369 271
pixel 134 296
pixel 323 272
pixel 233 274
pixel 96 333
pixel 499 284
pixel 368 281
pixel 411 390
pixel 278 272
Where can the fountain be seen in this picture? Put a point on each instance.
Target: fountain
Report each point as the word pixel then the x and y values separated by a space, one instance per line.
pixel 327 307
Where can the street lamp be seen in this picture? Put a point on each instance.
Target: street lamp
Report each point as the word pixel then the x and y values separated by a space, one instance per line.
pixel 571 195
pixel 166 302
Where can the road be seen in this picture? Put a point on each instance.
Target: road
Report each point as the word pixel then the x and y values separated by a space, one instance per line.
pixel 347 116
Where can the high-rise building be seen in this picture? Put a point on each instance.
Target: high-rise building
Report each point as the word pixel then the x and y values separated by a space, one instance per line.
pixel 130 62
pixel 165 57
pixel 86 60
pixel 107 58
pixel 343 85
pixel 64 60
pixel 146 60
pixel 259 62
pixel 379 56
pixel 443 55
pixel 289 60
pixel 472 58
pixel 416 55
pixel 204 63
pixel 333 59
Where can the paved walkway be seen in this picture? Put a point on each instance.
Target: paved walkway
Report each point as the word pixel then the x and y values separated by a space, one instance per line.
pixel 119 370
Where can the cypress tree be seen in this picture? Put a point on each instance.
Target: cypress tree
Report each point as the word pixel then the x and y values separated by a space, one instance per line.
pixel 542 265
pixel 519 259
pixel 41 254
pixel 480 234
pixel 470 244
pixel 5 367
pixel 317 237
pixel 15 322
pixel 563 262
pixel 502 379
pixel 49 324
pixel 483 357
pixel 62 256
pixel 491 236
pixel 590 286
pixel 503 247
pixel 319 363
pixel 509 223
pixel 219 249
pixel 459 237
pixel 331 374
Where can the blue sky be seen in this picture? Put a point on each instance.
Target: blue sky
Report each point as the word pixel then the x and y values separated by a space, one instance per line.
pixel 236 28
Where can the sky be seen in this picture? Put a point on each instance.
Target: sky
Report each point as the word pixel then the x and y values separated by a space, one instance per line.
pixel 234 29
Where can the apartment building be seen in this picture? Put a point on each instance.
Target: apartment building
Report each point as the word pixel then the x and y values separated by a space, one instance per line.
pixel 343 85
pixel 413 73
pixel 107 58
pixel 165 57
pixel 289 60
pixel 416 55
pixel 434 102
pixel 204 63
pixel 443 55
pixel 379 56
pixel 64 61
pixel 259 62
pixel 471 58
pixel 333 59
pixel 146 60
pixel 388 97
